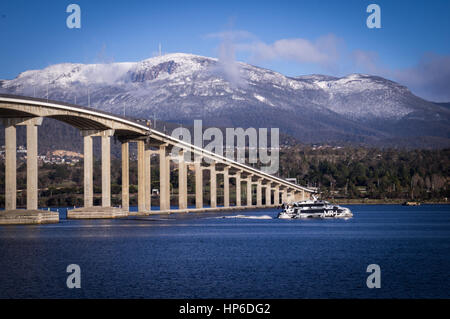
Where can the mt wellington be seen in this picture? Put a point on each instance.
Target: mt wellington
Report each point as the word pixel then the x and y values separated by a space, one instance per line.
pixel 356 109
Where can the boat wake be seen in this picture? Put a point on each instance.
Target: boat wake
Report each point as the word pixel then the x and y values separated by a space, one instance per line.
pixel 247 217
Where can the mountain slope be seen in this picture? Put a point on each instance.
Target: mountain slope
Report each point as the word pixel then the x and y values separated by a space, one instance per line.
pixel 356 109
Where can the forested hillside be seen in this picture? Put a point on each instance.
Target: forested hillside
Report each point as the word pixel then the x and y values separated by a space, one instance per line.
pixel 338 173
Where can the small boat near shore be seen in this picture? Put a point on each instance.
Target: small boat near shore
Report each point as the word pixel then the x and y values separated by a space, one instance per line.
pixel 411 204
pixel 314 209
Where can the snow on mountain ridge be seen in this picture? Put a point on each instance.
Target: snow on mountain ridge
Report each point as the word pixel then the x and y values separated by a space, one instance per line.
pixel 65 74
pixel 187 79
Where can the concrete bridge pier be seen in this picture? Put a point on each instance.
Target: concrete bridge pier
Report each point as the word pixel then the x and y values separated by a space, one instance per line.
pixel 276 195
pixel 148 180
pixel 268 195
pixel 213 184
pixel 284 195
pixel 12 215
pixel 10 166
pixel 226 187
pixel 164 178
pixel 238 188
pixel 141 175
pixel 125 176
pixel 249 191
pixel 144 177
pixel 106 167
pixel 11 161
pixel 182 181
pixel 89 211
pixel 259 192
pixel 32 162
pixel 88 169
pixel 198 183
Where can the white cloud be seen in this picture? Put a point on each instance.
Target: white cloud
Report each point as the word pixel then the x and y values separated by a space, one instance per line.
pixel 228 66
pixel 323 51
pixel 429 78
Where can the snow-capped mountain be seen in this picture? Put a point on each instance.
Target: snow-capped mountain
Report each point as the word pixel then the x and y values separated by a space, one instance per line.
pixel 181 87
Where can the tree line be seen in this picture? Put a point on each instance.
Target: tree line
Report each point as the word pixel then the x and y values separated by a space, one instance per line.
pixel 337 173
pixel 350 172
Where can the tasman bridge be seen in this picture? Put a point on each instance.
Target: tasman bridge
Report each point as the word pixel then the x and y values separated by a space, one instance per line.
pixel 19 110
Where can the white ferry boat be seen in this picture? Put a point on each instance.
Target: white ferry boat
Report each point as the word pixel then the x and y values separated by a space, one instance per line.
pixel 314 209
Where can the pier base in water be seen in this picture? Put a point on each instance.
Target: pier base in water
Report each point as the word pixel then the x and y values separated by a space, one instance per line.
pixel 96 212
pixel 32 216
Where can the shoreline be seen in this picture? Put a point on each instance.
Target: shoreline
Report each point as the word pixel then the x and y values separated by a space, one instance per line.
pixel 381 202
pixel 334 201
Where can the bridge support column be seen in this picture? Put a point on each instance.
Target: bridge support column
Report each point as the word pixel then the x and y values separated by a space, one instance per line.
pixel 284 195
pixel 167 177
pixel 125 176
pixel 32 164
pixel 268 195
pixel 213 184
pixel 276 196
pixel 88 171
pixel 259 192
pixel 10 167
pixel 226 187
pixel 106 168
pixel 148 180
pixel 292 196
pixel 182 182
pixel 141 175
pixel 198 184
pixel 164 179
pixel 238 189
pixel 249 191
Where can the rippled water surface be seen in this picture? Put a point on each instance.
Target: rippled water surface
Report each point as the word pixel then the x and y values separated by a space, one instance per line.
pixel 251 255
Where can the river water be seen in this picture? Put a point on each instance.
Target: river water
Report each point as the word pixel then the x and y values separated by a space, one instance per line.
pixel 247 254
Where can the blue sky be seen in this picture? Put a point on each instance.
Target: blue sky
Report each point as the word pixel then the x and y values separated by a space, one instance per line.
pixel 291 37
